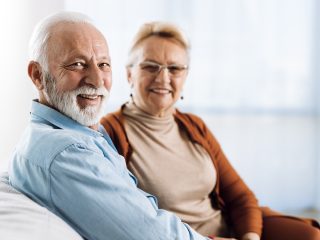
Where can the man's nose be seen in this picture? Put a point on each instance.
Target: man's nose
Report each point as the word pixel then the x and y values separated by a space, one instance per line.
pixel 163 75
pixel 95 76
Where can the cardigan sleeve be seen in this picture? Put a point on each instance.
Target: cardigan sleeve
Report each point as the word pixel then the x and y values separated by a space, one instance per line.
pixel 113 124
pixel 239 202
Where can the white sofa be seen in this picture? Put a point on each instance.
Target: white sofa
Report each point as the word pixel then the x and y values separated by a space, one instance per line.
pixel 23 219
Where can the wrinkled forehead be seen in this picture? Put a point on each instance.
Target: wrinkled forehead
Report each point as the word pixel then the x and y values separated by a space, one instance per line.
pixel 69 37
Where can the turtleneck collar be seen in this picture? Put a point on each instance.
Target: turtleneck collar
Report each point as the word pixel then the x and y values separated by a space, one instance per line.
pixel 152 122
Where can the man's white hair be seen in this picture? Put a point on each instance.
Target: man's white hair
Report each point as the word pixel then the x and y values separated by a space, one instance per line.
pixel 39 40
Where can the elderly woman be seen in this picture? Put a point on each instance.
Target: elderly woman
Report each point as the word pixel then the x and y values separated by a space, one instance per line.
pixel 176 157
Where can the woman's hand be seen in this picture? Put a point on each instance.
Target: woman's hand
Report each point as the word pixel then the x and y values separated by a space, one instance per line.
pixel 218 238
pixel 250 236
pixel 247 236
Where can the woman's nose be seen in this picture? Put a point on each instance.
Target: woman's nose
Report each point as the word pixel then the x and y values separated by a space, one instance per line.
pixel 163 75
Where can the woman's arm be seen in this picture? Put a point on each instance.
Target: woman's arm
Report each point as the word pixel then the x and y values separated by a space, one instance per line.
pixel 237 199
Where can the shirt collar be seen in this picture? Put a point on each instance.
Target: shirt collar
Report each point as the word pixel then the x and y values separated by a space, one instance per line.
pixel 41 112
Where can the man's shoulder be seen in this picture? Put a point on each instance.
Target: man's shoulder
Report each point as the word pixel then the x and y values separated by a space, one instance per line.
pixel 41 144
pixel 56 136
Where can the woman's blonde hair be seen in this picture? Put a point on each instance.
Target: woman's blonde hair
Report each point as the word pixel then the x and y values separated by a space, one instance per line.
pixel 160 29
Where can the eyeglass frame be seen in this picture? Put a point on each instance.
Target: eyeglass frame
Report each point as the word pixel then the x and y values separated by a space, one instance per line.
pixel 180 67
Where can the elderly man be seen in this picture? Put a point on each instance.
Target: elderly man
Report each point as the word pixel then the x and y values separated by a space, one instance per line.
pixel 65 161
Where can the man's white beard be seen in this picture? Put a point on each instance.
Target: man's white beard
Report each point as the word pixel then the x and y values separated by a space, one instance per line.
pixel 66 102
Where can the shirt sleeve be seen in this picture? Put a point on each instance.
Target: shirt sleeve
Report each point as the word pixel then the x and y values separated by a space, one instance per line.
pixel 95 199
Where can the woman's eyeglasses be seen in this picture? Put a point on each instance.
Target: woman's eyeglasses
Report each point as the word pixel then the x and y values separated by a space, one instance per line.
pixel 175 70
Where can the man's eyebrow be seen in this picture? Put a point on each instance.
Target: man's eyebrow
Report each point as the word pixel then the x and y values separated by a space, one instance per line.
pixel 73 57
pixel 107 59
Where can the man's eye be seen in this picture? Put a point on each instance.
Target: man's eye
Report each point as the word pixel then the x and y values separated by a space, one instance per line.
pixel 105 66
pixel 76 66
pixel 79 64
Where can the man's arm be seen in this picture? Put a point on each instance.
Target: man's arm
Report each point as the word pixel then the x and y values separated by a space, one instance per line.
pixel 88 192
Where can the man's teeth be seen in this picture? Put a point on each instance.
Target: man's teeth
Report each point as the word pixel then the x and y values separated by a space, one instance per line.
pixel 89 96
pixel 162 91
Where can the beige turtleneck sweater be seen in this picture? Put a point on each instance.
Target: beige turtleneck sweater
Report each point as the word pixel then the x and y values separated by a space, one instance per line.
pixel 179 173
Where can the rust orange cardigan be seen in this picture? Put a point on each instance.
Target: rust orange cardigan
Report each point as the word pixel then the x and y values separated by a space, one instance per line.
pixel 230 194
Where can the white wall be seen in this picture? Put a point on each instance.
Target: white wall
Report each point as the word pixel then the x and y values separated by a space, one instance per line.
pixel 275 155
pixel 17 19
pixel 317 166
pixel 316 60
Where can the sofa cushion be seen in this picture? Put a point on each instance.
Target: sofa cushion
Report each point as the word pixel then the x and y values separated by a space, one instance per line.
pixel 22 218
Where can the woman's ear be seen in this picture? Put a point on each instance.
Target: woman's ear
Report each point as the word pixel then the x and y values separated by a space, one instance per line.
pixel 35 73
pixel 129 76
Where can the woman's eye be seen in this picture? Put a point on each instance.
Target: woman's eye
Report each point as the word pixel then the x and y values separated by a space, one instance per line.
pixel 174 69
pixel 150 68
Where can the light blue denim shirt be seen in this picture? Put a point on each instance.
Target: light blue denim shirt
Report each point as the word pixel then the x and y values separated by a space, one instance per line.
pixel 76 173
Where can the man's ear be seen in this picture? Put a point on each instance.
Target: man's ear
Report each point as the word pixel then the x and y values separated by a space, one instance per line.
pixel 35 73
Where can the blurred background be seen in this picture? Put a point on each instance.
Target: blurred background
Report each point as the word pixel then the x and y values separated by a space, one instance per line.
pixel 254 79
